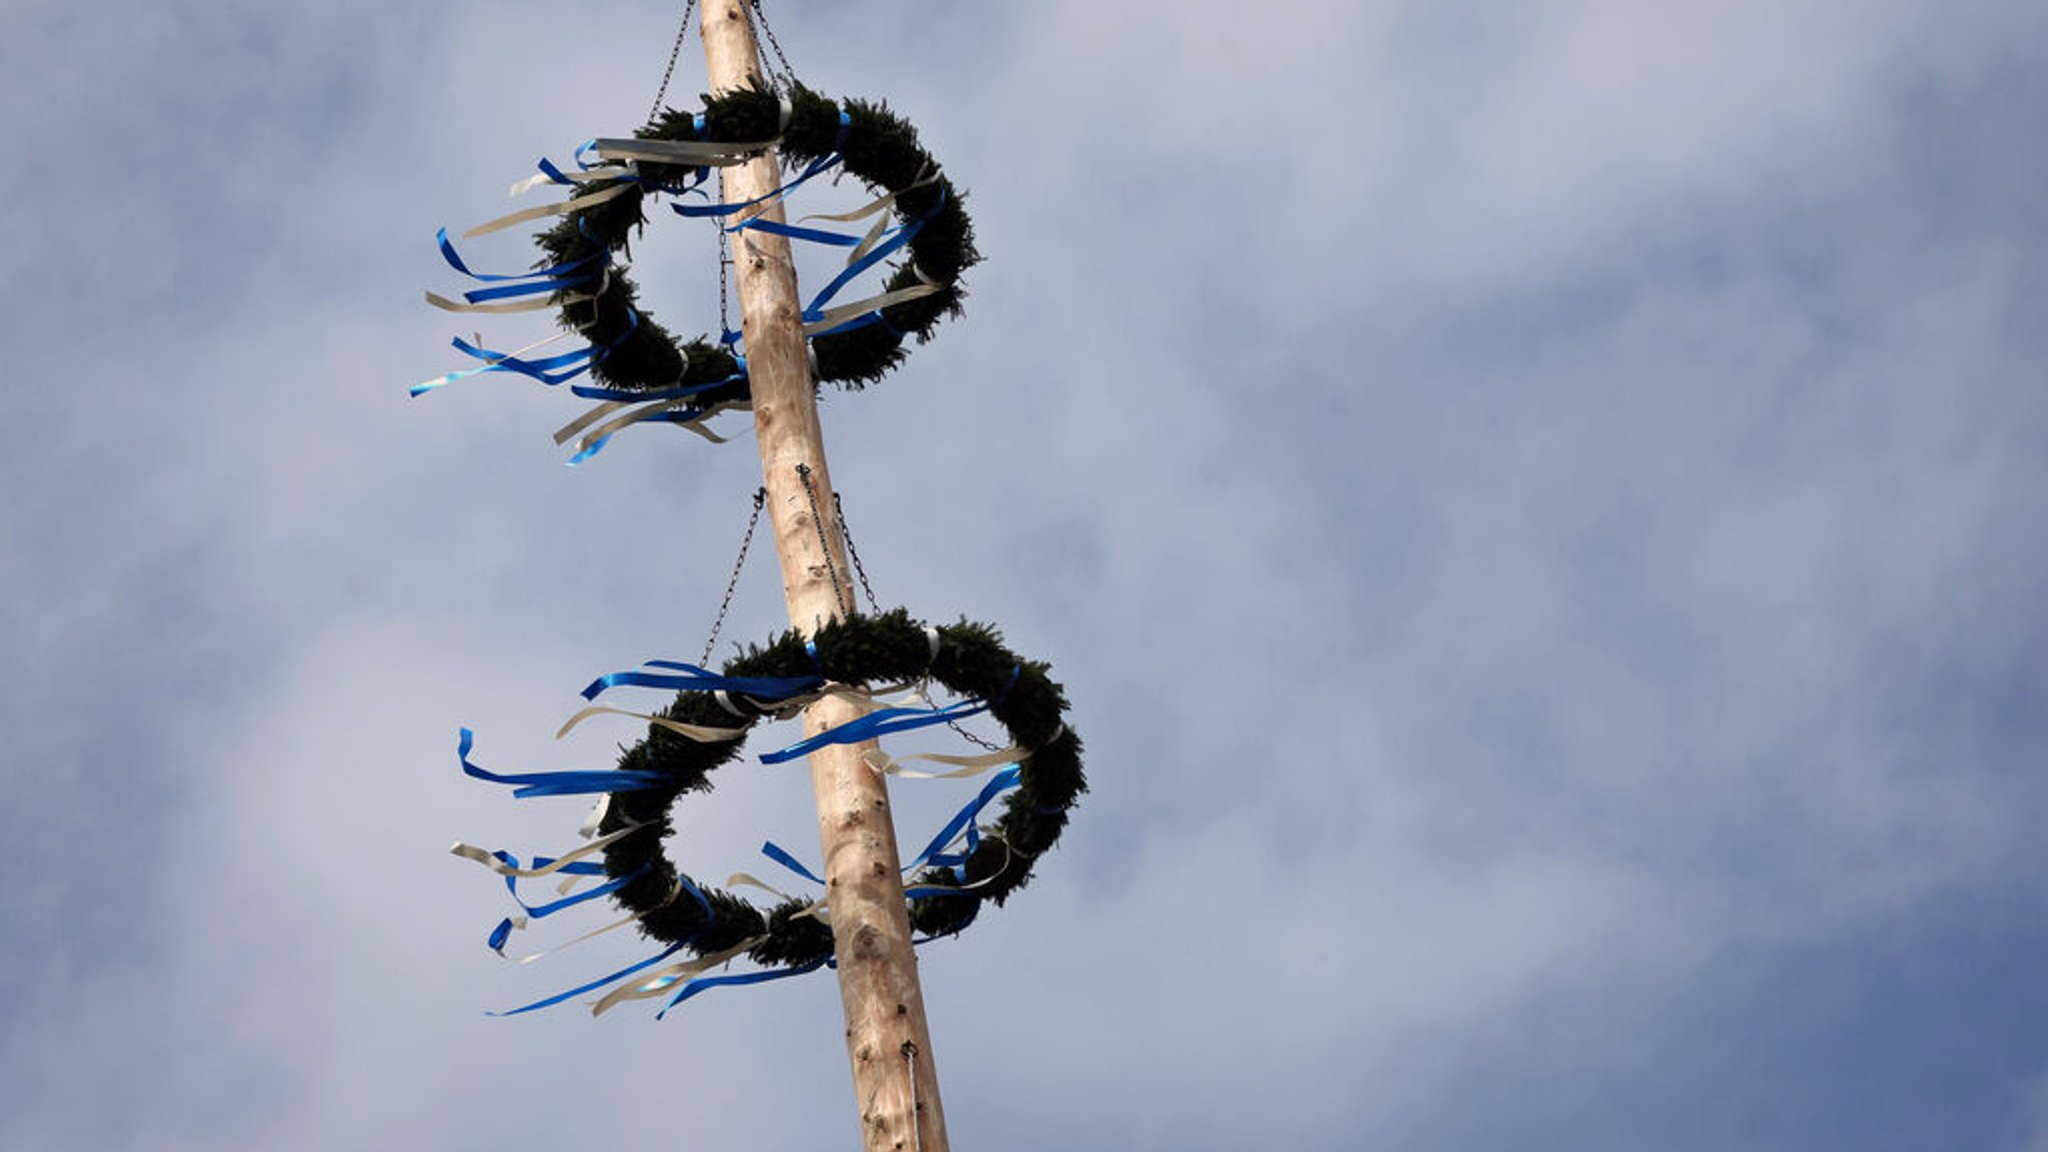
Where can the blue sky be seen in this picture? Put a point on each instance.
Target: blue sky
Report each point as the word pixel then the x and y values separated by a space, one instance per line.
pixel 1537 508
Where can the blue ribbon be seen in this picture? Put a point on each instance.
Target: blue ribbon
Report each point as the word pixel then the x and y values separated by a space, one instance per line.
pixel 562 269
pixel 698 894
pixel 674 416
pixel 704 983
pixel 903 236
pixel 592 392
pixel 798 232
pixel 775 852
pixel 574 363
pixel 575 783
pixel 549 909
pixel 860 321
pixel 964 819
pixel 577 362
pixel 535 288
pixel 503 931
pixel 1001 782
pixel 881 722
pixel 574 868
pixel 499 935
pixel 506 360
pixel 716 210
pixel 594 985
pixel 691 678
pixel 498 362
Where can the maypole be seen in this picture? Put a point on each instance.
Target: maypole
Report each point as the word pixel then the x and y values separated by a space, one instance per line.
pixel 887 1039
pixel 854 677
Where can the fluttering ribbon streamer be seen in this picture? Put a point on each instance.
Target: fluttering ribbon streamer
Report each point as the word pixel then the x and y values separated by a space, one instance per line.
pixel 594 985
pixel 645 165
pixel 505 864
pixel 461 374
pixel 652 985
pixel 706 983
pixel 775 852
pixel 570 863
pixel 964 820
pixel 761 202
pixel 698 732
pixel 685 153
pixel 876 724
pixel 554 906
pixel 690 678
pixel 571 783
pixel 882 667
pixel 671 406
pixel 573 204
pixel 963 766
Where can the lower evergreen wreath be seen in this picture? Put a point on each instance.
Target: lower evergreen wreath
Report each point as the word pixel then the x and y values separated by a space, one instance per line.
pixel 967 658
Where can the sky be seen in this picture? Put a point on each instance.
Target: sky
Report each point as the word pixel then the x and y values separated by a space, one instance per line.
pixel 1536 507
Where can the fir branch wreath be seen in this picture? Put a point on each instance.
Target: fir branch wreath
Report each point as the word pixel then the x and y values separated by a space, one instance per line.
pixel 875 145
pixel 969 659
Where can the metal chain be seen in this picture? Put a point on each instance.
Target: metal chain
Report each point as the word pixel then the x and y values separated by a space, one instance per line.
pixel 839 596
pixel 986 745
pixel 711 641
pixel 761 18
pixel 875 605
pixel 724 264
pixel 853 554
pixel 667 74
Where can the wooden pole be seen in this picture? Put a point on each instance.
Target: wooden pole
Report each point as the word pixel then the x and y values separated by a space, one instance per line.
pixel 894 1080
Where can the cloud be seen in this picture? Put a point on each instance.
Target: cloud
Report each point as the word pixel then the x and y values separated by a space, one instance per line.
pixel 1533 509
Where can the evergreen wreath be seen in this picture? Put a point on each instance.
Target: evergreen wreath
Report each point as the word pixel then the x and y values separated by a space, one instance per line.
pixel 875 145
pixel 969 659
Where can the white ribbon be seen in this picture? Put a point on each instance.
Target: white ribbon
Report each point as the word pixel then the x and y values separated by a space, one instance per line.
pixel 663 979
pixel 522 187
pixel 928 175
pixel 539 302
pixel 833 317
pixel 484 857
pixel 749 880
pixel 698 732
pixel 695 153
pixel 562 209
pixel 653 408
pixel 477 338
pixel 519 924
pixel 596 817
pixel 967 766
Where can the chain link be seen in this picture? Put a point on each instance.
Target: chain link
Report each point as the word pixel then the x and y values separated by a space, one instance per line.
pixel 667 74
pixel 724 266
pixel 853 554
pixel 987 745
pixel 725 605
pixel 875 605
pixel 839 596
pixel 761 18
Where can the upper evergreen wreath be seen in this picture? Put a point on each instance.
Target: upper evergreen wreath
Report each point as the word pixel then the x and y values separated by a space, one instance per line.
pixel 631 355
